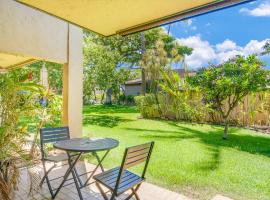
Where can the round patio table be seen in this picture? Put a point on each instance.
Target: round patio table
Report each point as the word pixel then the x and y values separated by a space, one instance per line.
pixel 86 145
pixel 75 148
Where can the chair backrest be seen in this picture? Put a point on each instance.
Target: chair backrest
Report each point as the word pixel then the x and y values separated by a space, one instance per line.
pixel 134 156
pixel 51 135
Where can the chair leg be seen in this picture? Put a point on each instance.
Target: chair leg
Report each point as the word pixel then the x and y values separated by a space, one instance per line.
pixel 134 192
pixel 102 191
pixel 46 173
pixel 113 196
pixel 47 178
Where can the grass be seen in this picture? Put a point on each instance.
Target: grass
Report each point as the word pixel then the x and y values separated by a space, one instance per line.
pixel 188 158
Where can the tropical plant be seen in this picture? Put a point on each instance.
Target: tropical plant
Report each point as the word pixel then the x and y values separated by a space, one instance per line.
pixel 225 85
pixel 16 100
pixel 108 61
pixel 46 111
pixel 147 106
pixel 185 101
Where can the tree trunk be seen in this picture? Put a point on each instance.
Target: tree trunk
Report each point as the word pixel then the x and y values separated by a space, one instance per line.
pixel 108 96
pixel 95 96
pixel 142 69
pixel 225 135
pixel 33 149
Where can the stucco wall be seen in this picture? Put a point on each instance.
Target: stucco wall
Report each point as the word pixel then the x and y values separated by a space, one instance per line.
pixel 28 32
pixel 75 81
pixel 133 90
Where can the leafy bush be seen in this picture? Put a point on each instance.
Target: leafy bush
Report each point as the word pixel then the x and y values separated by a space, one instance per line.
pixel 130 99
pixel 121 99
pixel 147 106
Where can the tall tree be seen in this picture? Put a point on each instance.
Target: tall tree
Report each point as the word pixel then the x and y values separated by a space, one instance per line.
pixel 128 51
pixel 142 69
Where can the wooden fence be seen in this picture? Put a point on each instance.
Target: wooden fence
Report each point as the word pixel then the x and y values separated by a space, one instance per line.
pixel 253 111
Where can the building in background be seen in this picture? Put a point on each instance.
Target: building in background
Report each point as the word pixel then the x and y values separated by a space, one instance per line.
pixel 134 87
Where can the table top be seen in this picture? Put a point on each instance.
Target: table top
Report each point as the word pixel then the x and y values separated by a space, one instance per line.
pixel 86 144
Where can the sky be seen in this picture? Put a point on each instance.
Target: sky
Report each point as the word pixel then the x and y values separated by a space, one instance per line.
pixel 215 37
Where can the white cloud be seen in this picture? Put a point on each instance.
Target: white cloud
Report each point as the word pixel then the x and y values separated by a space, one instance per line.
pixel 226 45
pixel 205 53
pixel 202 53
pixel 254 46
pixel 263 10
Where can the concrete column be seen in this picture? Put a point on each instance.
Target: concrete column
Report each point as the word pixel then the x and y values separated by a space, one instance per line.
pixel 73 82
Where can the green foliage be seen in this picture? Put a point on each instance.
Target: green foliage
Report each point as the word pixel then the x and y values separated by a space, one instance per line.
pixel 130 99
pixel 101 68
pixel 226 85
pixel 185 101
pixel 20 105
pixel 108 61
pixel 16 101
pixel 147 106
pixel 55 76
pixel 153 61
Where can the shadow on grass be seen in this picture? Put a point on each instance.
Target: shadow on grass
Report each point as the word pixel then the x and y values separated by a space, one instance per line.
pixel 213 140
pixel 103 109
pixel 248 143
pixel 103 120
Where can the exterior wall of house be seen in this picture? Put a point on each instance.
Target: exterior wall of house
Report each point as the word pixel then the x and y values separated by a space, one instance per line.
pixel 134 90
pixel 28 32
pixel 75 81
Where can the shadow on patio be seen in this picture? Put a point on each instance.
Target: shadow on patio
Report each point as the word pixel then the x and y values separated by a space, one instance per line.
pixel 146 192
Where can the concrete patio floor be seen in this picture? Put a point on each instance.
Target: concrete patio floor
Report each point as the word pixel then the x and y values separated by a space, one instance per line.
pixel 147 191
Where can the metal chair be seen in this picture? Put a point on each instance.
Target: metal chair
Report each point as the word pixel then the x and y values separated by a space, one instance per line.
pixel 49 136
pixel 119 179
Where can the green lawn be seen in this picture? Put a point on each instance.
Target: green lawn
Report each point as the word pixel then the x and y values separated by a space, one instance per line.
pixel 187 158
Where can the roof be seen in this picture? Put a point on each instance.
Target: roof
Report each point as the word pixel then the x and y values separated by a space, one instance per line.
pixel 110 17
pixel 9 61
pixel 134 82
pixel 180 72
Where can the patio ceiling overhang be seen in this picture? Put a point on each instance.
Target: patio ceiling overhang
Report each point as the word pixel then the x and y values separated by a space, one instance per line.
pixel 10 61
pixel 110 17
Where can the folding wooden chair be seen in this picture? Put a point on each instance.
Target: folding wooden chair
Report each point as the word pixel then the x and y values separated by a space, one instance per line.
pixel 119 179
pixel 49 136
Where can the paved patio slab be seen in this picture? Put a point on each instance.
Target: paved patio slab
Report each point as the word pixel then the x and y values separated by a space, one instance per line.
pixel 147 191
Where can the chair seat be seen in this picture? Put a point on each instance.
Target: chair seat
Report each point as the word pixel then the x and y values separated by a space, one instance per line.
pixel 58 157
pixel 109 178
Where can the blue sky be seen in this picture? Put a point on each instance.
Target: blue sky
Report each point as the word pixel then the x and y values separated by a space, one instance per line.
pixel 217 36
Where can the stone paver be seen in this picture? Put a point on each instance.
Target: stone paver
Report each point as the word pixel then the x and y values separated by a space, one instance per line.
pixel 147 191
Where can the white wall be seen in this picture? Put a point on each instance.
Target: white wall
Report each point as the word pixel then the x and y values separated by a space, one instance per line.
pixel 133 90
pixel 28 32
pixel 75 81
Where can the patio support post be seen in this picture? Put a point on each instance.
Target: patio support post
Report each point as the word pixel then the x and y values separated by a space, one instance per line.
pixel 73 82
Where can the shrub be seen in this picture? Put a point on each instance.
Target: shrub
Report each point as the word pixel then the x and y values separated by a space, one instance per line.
pixel 121 99
pixel 130 99
pixel 147 106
